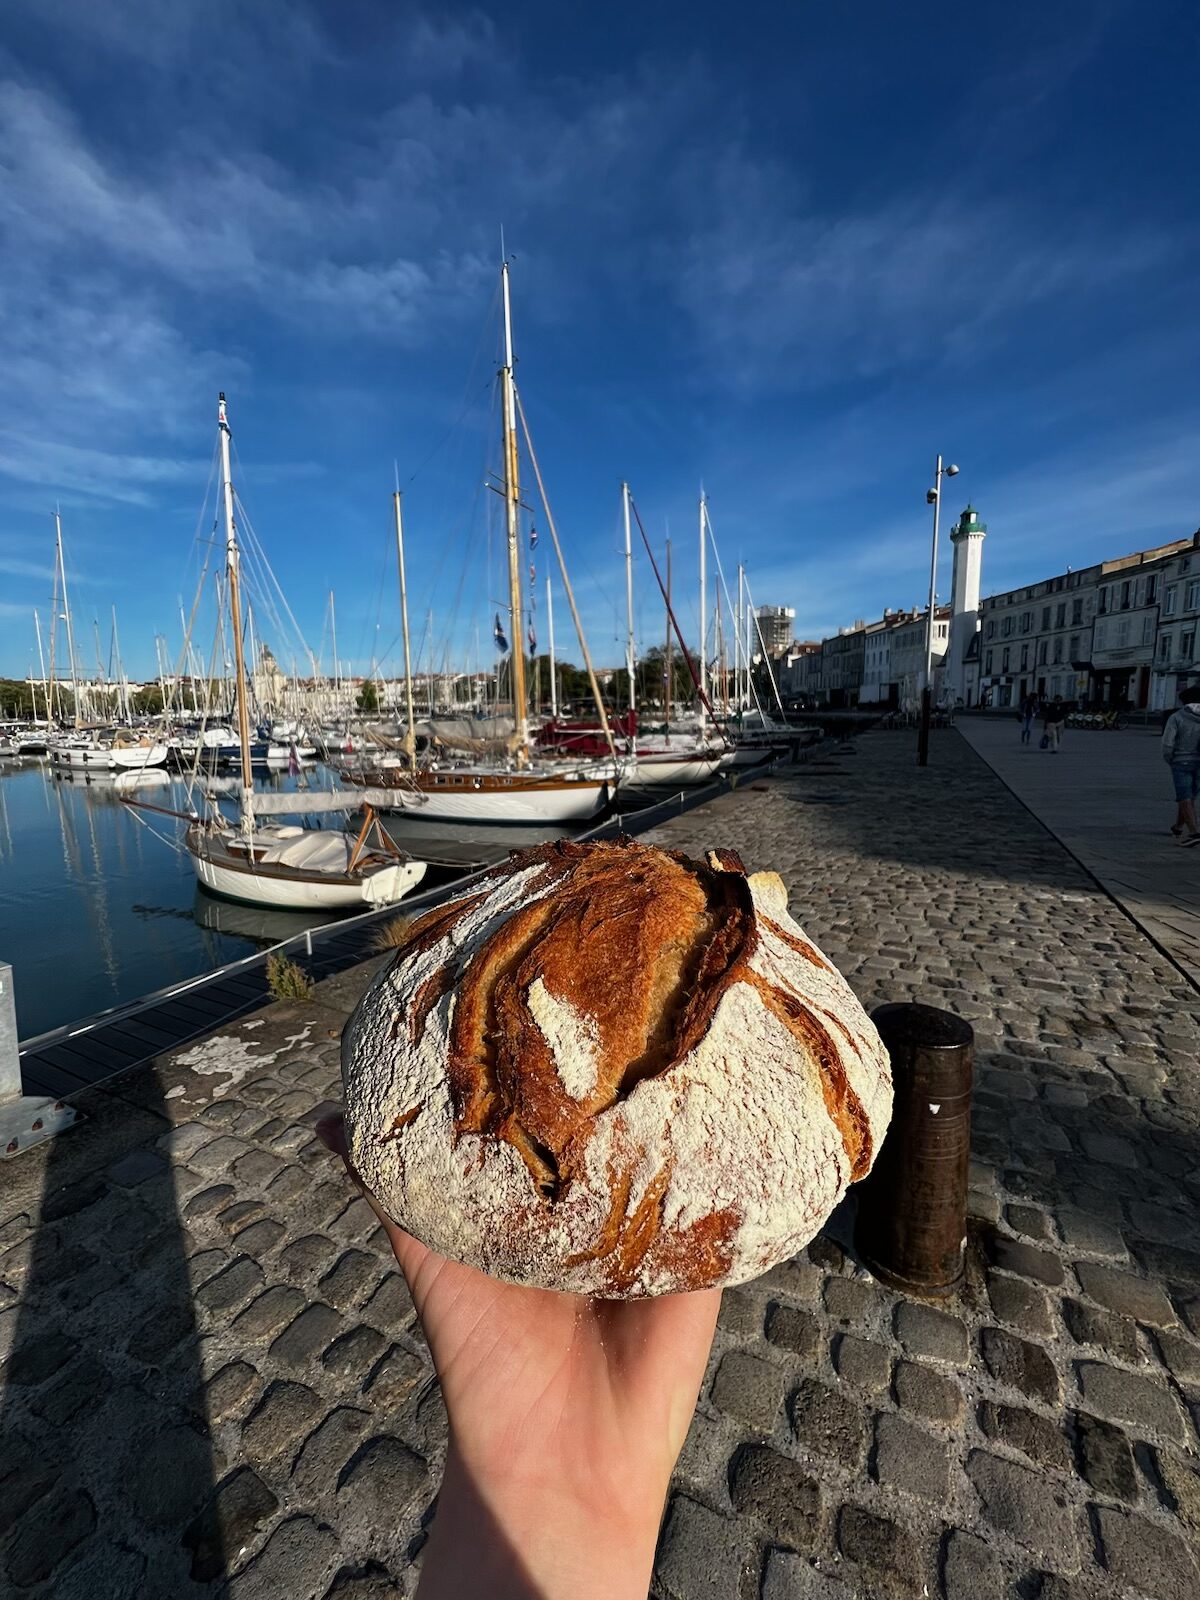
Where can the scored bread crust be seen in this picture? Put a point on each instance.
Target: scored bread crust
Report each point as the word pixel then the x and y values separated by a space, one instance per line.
pixel 612 1070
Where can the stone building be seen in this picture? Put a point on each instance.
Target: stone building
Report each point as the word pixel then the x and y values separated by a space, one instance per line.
pixel 908 657
pixel 775 625
pixel 842 660
pixel 1092 635
pixel 1176 663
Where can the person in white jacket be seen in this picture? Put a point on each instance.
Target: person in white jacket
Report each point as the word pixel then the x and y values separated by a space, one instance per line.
pixel 1181 752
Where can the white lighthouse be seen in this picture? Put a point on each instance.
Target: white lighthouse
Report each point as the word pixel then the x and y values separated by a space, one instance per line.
pixel 967 538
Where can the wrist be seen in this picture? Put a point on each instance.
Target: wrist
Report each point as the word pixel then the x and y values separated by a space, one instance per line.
pixel 515 1534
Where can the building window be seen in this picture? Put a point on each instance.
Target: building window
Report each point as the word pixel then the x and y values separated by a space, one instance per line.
pixel 1073 648
pixel 1045 617
pixel 1151 589
pixel 1076 613
pixel 1103 600
pixel 1004 660
pixel 1170 593
pixel 987 663
pixel 1126 595
pixel 1024 657
pixel 1060 615
pixel 1187 644
pixel 1026 621
pixel 991 631
pixel 1123 628
pixel 1191 598
pixel 1042 649
pixel 1006 627
pixel 1164 647
pixel 1057 650
pixel 1147 630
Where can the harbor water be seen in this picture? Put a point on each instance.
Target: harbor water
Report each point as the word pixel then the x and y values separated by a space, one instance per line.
pixel 99 904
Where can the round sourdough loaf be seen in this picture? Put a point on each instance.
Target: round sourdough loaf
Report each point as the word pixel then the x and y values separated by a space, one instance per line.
pixel 612 1070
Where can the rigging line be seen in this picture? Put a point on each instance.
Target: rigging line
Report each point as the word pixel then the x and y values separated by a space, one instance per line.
pixel 566 581
pixel 253 536
pixel 670 612
pixel 763 643
pixel 446 545
pixel 431 589
pixel 464 568
pixel 269 587
pixel 486 325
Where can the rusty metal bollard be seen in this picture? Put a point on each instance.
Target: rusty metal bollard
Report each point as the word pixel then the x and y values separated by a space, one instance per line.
pixel 912 1209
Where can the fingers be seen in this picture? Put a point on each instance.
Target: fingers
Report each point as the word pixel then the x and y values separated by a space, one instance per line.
pixel 409 1252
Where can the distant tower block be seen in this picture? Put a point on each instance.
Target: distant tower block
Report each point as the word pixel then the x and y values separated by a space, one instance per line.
pixel 967 537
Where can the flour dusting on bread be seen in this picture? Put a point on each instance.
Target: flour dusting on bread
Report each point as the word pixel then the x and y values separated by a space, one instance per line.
pixel 635 1074
pixel 572 1037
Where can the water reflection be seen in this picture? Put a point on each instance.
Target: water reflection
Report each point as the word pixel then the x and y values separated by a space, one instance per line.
pixel 98 903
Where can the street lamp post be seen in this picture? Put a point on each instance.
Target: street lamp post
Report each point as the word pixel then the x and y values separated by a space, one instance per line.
pixel 933 497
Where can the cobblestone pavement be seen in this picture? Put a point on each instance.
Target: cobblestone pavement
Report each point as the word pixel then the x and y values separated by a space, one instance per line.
pixel 1107 796
pixel 214 1383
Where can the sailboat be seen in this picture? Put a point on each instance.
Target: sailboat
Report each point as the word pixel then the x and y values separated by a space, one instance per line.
pixel 679 758
pixel 86 750
pixel 511 788
pixel 282 864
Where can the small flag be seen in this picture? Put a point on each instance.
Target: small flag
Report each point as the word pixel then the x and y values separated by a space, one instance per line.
pixel 532 573
pixel 533 538
pixel 498 636
pixel 532 641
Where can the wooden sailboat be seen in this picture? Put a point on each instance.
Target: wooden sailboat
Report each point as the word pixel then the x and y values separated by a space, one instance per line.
pixel 511 790
pixel 281 864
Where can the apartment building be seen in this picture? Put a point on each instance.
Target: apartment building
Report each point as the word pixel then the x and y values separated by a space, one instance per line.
pixel 1176 663
pixel 1087 635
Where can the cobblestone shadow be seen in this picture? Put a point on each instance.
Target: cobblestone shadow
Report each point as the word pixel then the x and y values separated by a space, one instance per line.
pixel 1037 1436
pixel 105 1457
pixel 953 819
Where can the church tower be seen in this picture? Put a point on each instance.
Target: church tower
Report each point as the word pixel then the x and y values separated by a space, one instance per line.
pixel 967 537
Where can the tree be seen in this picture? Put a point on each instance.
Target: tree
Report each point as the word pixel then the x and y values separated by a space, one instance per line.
pixel 368 697
pixel 147 702
pixel 651 678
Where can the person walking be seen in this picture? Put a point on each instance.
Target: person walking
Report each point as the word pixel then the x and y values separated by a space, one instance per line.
pixel 1055 717
pixel 1029 710
pixel 1181 752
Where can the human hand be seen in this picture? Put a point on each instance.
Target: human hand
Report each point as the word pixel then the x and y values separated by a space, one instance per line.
pixel 566 1418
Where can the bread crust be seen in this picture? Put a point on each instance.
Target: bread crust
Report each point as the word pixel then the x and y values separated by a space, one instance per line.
pixel 613 1070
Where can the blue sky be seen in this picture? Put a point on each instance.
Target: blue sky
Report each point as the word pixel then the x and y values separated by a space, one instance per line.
pixel 791 251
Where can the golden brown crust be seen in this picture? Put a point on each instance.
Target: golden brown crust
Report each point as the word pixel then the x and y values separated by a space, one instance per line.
pixel 605 976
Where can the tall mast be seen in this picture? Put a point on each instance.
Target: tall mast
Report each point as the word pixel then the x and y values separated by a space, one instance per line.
pixel 53 694
pixel 742 664
pixel 233 572
pixel 512 502
pixel 630 662
pixel 122 680
pixel 102 685
pixel 62 568
pixel 667 656
pixel 550 625
pixel 37 624
pixel 703 611
pixel 337 681
pixel 410 737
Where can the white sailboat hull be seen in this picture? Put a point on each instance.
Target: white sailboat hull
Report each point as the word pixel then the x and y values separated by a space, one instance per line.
pixel 105 758
pixel 568 802
pixel 275 884
pixel 682 771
